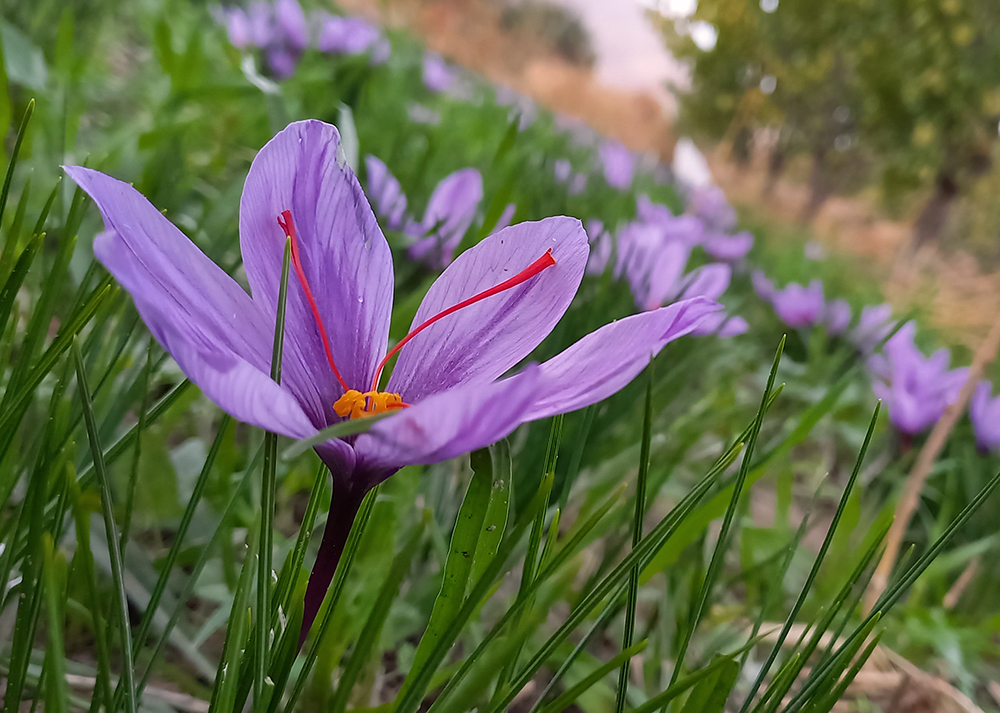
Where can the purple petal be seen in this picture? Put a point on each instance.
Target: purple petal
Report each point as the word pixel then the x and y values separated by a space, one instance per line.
pixel 504 220
pixel 237 26
pixel 562 169
pixel 604 361
pixel 837 316
pixel 709 281
pixel 481 342
pixel 217 335
pixel 664 274
pixel 437 75
pixel 343 253
pixel 619 164
pixel 722 325
pixel 281 62
pixel 449 423
pixel 291 21
pixel 385 193
pixel 762 286
pixel 450 211
pixel 729 248
pixel 346 35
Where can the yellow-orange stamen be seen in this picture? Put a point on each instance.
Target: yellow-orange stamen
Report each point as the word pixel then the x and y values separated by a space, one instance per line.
pixel 285 221
pixel 545 261
pixel 355 404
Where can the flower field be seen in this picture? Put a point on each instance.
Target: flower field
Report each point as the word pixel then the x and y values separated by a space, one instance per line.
pixel 337 378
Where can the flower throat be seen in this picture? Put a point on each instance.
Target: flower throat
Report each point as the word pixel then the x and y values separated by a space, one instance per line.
pixel 356 404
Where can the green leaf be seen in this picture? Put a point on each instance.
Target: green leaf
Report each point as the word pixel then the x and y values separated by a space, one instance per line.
pixel 711 694
pixel 25 63
pixel 111 532
pixel 57 693
pixel 458 566
pixel 722 544
pixel 637 517
pixel 497 510
pixel 567 699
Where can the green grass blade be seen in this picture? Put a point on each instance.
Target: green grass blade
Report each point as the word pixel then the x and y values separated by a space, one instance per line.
pixel 711 694
pixel 497 510
pixel 12 162
pixel 13 283
pixel 637 517
pixel 227 679
pixel 817 563
pixel 569 697
pixel 376 620
pixel 203 559
pixel 722 544
pixel 119 447
pixel 268 485
pixel 107 506
pixel 137 452
pixel 102 690
pixel 57 693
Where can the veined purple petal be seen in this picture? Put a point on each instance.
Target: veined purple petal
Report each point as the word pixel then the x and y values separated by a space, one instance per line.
pixel 201 316
pixel 607 359
pixel 343 253
pixel 385 193
pixel 481 342
pixel 449 423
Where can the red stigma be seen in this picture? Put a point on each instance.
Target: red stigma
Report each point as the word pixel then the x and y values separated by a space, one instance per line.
pixel 545 261
pixel 285 221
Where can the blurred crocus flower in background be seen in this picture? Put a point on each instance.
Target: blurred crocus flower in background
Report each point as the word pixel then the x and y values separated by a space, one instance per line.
pixel 450 211
pixel 874 325
pixel 385 193
pixel 576 183
pixel 709 204
pixel 984 412
pixel 600 246
pixel 437 75
pixel 618 164
pixel 813 251
pixel 801 306
pixel 346 35
pixel 916 389
pixel 729 248
pixel 279 29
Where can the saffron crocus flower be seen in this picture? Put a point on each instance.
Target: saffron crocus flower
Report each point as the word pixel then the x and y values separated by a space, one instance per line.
pixel 437 75
pixel 291 24
pixel 346 35
pixel 709 204
pixel 484 315
pixel 450 211
pixel 385 193
pixel 728 248
pixel 984 412
pixel 915 388
pixel 795 305
pixel 874 325
pixel 600 247
pixel 836 316
pixel 618 163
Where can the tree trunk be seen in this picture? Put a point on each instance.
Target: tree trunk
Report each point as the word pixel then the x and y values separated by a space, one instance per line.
pixel 819 187
pixel 775 166
pixel 933 218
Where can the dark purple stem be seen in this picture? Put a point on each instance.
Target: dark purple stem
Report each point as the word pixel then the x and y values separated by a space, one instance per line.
pixel 343 509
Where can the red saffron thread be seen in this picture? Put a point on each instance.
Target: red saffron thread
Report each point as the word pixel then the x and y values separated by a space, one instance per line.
pixel 545 261
pixel 285 221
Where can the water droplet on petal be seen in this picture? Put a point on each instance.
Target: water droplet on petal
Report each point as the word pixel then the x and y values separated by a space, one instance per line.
pixel 360 300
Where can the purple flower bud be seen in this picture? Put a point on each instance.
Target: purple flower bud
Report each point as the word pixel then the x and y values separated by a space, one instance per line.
pixel 437 75
pixel 346 35
pixel 618 163
pixel 984 412
pixel 291 23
